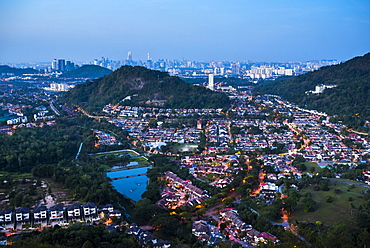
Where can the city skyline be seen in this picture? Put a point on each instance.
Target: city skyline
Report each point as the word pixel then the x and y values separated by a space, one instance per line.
pixel 282 31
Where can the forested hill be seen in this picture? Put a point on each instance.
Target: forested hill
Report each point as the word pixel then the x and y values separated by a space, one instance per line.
pixel 145 87
pixel 350 100
pixel 87 71
pixel 16 71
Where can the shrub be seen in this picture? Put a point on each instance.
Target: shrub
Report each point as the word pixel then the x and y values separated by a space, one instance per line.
pixel 329 199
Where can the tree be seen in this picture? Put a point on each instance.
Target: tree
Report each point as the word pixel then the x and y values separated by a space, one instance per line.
pixel 168 224
pixel 329 199
pixel 87 244
pixel 18 198
pixel 309 205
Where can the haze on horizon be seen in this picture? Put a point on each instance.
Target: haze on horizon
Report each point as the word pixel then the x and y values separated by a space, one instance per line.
pixel 237 30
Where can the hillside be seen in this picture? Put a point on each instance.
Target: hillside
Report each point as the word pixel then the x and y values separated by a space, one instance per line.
pixel 87 71
pixel 16 71
pixel 230 81
pixel 350 99
pixel 146 88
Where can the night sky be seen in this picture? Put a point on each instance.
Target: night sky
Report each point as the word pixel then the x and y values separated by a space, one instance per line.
pixel 201 30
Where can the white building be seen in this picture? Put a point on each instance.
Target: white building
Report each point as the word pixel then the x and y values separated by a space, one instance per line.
pixel 211 85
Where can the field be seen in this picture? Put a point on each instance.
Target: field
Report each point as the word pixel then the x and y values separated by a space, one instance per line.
pixel 117 153
pixel 309 165
pixel 119 157
pixel 340 210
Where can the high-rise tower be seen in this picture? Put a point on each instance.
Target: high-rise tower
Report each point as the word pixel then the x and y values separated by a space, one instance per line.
pixel 149 62
pixel 54 65
pixel 211 82
pixel 61 65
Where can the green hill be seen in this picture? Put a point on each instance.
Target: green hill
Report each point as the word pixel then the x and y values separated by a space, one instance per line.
pixel 350 99
pixel 146 88
pixel 87 71
pixel 16 71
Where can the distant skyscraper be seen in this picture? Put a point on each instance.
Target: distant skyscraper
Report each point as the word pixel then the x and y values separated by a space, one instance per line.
pixel 211 82
pixel 54 65
pixel 129 56
pixel 149 62
pixel 235 69
pixel 61 65
pixel 70 65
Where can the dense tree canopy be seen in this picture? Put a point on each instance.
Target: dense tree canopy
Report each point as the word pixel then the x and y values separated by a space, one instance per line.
pixel 50 151
pixel 145 87
pixel 16 71
pixel 350 100
pixel 87 71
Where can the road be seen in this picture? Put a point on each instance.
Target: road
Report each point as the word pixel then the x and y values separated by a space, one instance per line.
pixel 79 150
pixel 137 175
pixel 56 111
pixel 91 116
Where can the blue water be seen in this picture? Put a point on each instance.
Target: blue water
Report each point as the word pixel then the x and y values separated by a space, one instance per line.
pixel 132 187
pixel 129 172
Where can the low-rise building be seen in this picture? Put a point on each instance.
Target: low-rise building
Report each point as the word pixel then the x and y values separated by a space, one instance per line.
pixel 40 215
pixel 74 212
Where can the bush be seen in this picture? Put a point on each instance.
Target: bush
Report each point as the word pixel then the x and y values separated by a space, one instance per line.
pixel 325 188
pixel 309 205
pixel 329 199
pixel 316 188
pixel 337 191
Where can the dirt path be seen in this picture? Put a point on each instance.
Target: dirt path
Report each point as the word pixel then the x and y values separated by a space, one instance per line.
pixel 49 201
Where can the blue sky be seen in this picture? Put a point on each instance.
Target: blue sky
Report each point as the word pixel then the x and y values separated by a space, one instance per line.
pixel 202 30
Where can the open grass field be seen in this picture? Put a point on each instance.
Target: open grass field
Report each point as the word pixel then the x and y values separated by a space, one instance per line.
pixel 16 176
pixel 116 153
pixel 112 158
pixel 340 210
pixel 140 160
pixel 309 165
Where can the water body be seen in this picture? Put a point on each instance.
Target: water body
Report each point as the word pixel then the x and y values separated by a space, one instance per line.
pixel 132 187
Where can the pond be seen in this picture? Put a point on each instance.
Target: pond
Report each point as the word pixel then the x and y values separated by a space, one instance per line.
pixel 132 187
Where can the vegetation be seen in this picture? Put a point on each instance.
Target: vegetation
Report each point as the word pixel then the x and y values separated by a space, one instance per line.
pixel 175 227
pixel 20 190
pixel 16 71
pixel 232 81
pixel 87 71
pixel 350 98
pixel 49 153
pixel 145 87
pixel 332 204
pixel 77 235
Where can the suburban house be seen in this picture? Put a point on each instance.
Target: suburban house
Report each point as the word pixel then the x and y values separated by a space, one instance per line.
pixel 22 216
pixel 6 216
pixel 146 239
pixel 56 214
pixel 206 232
pixel 40 215
pixel 74 212
pixel 109 211
pixel 90 211
pixel 201 230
